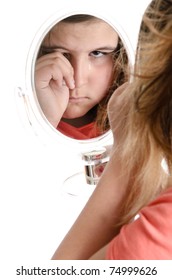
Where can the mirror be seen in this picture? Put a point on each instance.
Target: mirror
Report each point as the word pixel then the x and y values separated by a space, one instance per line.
pixel 80 62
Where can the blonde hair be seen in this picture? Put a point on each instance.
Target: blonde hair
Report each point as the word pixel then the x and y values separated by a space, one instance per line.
pixel 145 117
pixel 120 76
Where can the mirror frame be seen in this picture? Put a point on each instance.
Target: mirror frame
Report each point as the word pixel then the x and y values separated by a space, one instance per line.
pixel 36 114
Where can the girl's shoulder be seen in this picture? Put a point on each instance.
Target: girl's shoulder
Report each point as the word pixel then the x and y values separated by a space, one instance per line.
pixel 162 199
pixel 149 236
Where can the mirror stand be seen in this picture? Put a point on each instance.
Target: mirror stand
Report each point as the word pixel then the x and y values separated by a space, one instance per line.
pixel 84 182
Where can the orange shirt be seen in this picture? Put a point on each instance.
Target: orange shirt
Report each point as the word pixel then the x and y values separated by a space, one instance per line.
pixel 149 237
pixel 84 132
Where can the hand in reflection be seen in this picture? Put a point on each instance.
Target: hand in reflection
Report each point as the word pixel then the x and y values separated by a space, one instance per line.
pixel 53 79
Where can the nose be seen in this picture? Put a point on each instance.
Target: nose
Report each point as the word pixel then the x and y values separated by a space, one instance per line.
pixel 81 71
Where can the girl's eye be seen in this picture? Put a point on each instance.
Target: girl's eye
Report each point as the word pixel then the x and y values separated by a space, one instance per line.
pixel 97 54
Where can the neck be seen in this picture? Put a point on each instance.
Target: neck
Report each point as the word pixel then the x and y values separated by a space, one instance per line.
pixel 84 120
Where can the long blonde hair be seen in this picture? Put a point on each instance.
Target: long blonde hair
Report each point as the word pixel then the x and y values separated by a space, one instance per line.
pixel 145 116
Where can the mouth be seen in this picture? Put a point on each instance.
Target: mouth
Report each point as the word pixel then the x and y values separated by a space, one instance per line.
pixel 77 99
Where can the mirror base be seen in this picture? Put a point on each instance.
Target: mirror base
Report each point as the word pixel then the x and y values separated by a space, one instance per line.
pixel 76 185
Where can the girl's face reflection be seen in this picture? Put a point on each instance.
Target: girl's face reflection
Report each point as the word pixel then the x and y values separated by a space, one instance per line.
pixel 88 46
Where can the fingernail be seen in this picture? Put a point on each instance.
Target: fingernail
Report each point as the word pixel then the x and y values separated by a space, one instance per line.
pixel 72 84
pixel 63 83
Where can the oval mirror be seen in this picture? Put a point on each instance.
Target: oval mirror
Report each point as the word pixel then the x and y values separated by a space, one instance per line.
pixel 78 63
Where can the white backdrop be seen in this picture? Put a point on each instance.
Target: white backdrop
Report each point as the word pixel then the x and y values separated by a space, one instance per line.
pixel 34 215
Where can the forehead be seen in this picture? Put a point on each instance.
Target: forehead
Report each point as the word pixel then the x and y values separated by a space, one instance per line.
pixel 92 34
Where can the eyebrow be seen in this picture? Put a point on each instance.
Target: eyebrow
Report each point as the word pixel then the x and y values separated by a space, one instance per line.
pixel 53 48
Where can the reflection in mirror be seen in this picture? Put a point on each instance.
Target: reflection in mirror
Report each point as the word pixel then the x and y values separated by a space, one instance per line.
pixel 81 61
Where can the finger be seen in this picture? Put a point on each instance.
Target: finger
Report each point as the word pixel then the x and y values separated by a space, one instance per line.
pixel 45 59
pixel 54 67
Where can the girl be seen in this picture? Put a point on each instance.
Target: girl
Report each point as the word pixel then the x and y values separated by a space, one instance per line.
pixel 134 180
pixel 80 64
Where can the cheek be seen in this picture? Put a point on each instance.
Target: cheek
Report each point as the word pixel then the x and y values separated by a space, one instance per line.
pixel 102 76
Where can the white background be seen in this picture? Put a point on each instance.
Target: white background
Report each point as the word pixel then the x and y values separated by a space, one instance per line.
pixel 34 215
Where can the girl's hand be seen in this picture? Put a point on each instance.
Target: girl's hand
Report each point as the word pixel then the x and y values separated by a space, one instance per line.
pixel 53 81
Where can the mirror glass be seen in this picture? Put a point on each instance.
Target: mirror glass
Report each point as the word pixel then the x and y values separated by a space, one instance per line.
pixel 80 62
